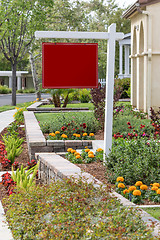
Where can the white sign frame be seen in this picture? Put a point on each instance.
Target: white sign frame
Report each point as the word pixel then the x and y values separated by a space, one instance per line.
pixel 111 36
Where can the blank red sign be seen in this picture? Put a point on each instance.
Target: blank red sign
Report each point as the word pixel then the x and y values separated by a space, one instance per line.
pixel 69 65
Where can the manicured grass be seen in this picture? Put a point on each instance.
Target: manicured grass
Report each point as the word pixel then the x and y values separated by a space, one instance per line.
pixel 154 212
pixel 9 107
pixel 73 105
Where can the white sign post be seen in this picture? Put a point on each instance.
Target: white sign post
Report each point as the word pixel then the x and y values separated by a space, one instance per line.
pixel 111 36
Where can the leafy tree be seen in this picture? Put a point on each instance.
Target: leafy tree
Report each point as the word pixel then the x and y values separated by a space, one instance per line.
pixel 19 19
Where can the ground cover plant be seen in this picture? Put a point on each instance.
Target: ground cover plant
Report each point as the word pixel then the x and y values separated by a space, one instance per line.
pixel 71 210
pixel 52 122
pixel 19 105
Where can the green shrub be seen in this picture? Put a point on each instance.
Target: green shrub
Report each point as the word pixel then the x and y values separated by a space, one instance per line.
pixel 72 210
pixel 5 90
pixel 135 160
pixel 85 95
pixel 124 85
pixel 57 121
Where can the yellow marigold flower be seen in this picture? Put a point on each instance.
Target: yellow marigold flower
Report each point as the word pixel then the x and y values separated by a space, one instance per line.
pixel 125 191
pixel 91 155
pixel 90 152
pixel 91 134
pixel 64 135
pixel 99 150
pixel 57 132
pixel 137 193
pixel 69 149
pixel 52 134
pixel 158 191
pixel 132 188
pixel 121 185
pixel 143 187
pixel 154 188
pixel 138 184
pixel 73 151
pixel 37 99
pixel 120 179
pixel 86 147
pixel 87 150
pixel 78 156
pixel 17 108
pixel 74 134
pixel 156 185
pixel 84 134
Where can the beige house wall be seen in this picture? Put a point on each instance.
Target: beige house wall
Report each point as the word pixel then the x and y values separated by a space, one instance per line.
pixel 145 58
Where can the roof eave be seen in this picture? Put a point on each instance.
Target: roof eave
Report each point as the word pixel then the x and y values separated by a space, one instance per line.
pixel 132 9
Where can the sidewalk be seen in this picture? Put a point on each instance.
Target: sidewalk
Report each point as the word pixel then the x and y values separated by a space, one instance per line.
pixel 5 119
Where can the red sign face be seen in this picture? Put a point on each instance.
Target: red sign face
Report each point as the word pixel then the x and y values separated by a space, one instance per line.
pixel 69 65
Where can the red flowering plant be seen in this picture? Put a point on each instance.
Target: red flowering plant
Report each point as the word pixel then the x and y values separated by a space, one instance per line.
pixel 31 164
pixel 8 182
pixel 72 130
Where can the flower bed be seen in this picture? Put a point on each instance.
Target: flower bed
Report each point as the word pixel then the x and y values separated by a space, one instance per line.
pixel 139 192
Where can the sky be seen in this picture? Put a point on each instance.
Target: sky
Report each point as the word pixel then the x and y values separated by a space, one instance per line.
pixel 125 3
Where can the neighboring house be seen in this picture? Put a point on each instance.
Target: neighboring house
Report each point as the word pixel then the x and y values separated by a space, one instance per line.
pixel 145 54
pixel 24 79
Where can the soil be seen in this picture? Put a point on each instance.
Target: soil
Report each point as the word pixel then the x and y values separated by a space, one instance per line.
pixel 96 169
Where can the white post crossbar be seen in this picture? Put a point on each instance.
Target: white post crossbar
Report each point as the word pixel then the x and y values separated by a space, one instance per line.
pixel 111 36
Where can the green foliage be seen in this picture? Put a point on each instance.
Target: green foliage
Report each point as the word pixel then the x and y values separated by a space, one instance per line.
pixel 134 160
pixel 4 89
pixel 72 210
pixel 82 95
pixel 51 122
pixel 13 146
pixel 23 178
pixel 154 212
pixel 124 84
pixel 29 90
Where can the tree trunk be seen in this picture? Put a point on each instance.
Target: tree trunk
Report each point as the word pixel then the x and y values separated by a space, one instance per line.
pixel 34 76
pixel 65 101
pixel 14 80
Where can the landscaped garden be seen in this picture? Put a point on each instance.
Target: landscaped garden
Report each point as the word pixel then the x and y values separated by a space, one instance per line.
pixel 64 210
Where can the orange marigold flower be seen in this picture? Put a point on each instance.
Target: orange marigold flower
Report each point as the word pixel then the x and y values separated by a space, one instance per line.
pixel 132 188
pixel 138 184
pixel 120 179
pixel 77 153
pixel 87 150
pixel 73 151
pixel 125 191
pixel 121 185
pixel 156 185
pixel 154 188
pixel 84 134
pixel 137 193
pixel 74 134
pixel 78 135
pixel 143 187
pixel 91 134
pixel 57 132
pixel 52 134
pixel 90 152
pixel 158 191
pixel 78 156
pixel 69 149
pixel 64 135
pixel 91 155
pixel 99 150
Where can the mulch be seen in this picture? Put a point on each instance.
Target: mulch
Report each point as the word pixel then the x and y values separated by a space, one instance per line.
pixel 97 169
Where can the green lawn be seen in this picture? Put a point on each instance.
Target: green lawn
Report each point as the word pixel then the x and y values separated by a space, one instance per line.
pixel 73 105
pixel 154 212
pixel 9 107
